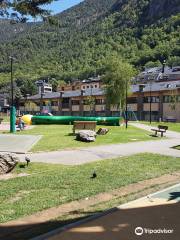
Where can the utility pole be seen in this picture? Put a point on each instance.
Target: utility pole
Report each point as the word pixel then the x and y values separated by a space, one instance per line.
pixel 150 107
pixel 12 108
pixel 126 105
pixel 60 102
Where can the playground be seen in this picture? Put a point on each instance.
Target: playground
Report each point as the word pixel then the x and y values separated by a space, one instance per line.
pixel 60 165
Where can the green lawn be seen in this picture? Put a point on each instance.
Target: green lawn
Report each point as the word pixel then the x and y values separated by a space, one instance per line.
pixel 177 147
pixel 57 137
pixel 171 126
pixel 52 185
pixel 5 118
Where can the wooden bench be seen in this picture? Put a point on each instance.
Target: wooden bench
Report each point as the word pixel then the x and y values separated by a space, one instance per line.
pixel 161 129
pixel 81 125
pixel 170 119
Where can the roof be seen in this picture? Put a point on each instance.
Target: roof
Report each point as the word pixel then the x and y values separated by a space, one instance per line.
pixel 154 86
pixel 69 94
pixel 155 73
pixel 157 86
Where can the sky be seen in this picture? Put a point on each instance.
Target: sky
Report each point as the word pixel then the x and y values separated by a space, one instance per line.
pixel 61 5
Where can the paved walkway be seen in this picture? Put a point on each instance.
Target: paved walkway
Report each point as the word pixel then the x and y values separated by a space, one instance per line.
pixel 5 126
pixel 90 154
pixel 17 143
pixel 158 211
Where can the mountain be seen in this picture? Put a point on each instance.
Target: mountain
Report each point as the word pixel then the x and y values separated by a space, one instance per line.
pixel 144 32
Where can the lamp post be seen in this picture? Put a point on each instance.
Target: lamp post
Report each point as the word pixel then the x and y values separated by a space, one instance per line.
pixel 42 94
pixel 150 106
pixel 60 102
pixel 126 105
pixel 81 103
pixel 12 108
pixel 27 95
pixel 140 100
pixel 163 66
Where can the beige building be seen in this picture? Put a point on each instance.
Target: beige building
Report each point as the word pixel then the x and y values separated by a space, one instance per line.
pixel 91 83
pixel 163 98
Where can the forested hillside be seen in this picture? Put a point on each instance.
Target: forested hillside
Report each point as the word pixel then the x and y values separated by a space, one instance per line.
pixel 144 32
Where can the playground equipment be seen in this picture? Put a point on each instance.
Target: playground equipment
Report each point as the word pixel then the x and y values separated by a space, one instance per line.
pixel 111 121
pixel 27 119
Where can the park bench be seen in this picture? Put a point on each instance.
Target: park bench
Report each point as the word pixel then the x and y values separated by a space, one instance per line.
pixel 170 119
pixel 84 125
pixel 1 119
pixel 161 129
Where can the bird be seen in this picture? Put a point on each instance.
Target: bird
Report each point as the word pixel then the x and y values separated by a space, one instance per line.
pixel 27 160
pixel 94 175
pixel 149 198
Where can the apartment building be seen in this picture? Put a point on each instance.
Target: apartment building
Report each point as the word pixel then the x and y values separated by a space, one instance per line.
pixel 163 98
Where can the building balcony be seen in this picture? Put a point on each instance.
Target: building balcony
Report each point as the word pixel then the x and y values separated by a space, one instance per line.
pixel 75 108
pixel 154 107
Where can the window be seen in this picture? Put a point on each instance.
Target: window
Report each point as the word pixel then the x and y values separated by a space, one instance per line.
pixel 132 100
pixel 75 102
pixel 54 103
pixel 169 99
pixel 153 99
pixel 100 101
pixel 65 100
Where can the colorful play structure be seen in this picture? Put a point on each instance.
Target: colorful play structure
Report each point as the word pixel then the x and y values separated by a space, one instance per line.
pixel 66 120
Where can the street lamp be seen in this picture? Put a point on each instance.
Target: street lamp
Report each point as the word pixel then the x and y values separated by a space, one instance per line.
pixel 81 103
pixel 140 100
pixel 42 94
pixel 163 66
pixel 126 105
pixel 27 95
pixel 12 108
pixel 150 102
pixel 60 102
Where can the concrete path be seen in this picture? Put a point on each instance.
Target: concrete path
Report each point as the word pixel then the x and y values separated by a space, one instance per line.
pixel 17 143
pixel 5 126
pixel 152 217
pixel 90 154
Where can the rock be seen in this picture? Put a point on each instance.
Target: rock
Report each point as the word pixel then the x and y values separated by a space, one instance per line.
pixel 86 136
pixel 7 162
pixel 102 131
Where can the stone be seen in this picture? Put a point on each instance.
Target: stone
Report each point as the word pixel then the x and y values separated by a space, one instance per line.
pixel 102 131
pixel 7 162
pixel 86 136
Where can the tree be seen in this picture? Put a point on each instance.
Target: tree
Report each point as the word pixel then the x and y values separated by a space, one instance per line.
pixel 118 74
pixel 90 101
pixel 19 10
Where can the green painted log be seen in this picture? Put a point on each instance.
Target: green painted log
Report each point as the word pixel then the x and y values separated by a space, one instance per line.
pixel 111 121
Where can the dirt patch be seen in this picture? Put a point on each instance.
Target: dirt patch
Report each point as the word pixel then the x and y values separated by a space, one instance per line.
pixel 12 175
pixel 18 196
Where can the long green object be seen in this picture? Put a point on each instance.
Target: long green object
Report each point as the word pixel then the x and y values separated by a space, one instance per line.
pixel 111 121
pixel 12 119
